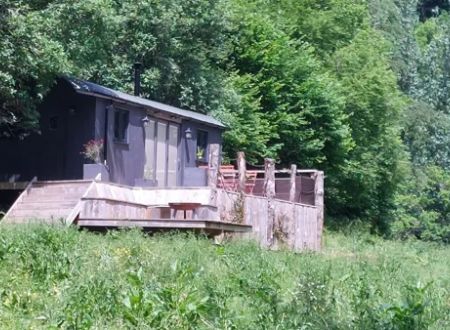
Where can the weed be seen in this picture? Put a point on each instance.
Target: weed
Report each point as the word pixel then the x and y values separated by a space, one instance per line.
pixel 54 277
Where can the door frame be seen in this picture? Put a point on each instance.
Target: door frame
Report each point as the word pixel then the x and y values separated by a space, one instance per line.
pixel 155 153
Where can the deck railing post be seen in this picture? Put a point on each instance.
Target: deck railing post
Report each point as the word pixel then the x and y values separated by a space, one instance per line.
pixel 242 180
pixel 319 203
pixel 213 169
pixel 269 192
pixel 292 189
pixel 242 171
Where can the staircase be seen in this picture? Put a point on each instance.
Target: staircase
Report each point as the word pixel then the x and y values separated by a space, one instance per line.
pixel 47 202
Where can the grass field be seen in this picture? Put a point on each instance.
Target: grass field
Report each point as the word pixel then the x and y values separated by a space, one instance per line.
pixel 60 278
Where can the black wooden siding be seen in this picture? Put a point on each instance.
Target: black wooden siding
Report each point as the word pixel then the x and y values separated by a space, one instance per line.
pixel 56 154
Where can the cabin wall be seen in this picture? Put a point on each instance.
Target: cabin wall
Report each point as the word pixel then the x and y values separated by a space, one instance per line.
pixel 79 129
pixel 66 123
pixel 124 160
pixel 191 174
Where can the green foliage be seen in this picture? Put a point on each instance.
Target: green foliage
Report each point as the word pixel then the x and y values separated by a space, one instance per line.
pixel 288 88
pixel 373 105
pixel 126 280
pixel 423 209
pixel 426 133
pixel 330 84
pixel 178 43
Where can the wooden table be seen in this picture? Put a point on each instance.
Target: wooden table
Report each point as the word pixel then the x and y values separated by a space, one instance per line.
pixel 184 207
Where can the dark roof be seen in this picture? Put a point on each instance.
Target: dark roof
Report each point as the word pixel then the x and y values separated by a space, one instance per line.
pixel 86 87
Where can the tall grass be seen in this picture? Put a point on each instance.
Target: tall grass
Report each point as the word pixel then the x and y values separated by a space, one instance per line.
pixel 61 278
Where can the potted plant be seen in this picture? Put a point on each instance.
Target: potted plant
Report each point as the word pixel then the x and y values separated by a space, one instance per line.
pixel 93 151
pixel 200 157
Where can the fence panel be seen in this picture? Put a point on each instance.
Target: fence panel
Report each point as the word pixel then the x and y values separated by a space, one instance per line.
pixel 295 225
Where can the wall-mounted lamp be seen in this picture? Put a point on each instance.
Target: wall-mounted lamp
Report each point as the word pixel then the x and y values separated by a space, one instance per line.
pixel 145 120
pixel 188 133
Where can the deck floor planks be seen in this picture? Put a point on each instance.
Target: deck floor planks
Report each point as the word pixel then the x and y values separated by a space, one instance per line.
pixel 167 224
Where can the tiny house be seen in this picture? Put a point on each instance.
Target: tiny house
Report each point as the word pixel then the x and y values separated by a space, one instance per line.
pixel 145 143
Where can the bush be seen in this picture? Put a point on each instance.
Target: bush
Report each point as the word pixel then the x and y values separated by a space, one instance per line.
pixel 423 210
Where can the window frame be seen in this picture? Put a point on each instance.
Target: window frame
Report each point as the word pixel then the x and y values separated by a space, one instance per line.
pixel 205 153
pixel 120 125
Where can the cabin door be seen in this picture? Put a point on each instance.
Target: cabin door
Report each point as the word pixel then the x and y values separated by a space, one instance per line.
pixel 161 153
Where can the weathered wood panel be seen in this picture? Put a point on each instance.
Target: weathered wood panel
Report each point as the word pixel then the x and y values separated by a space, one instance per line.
pixel 112 209
pixel 227 206
pixel 295 225
pixel 256 214
pixel 150 196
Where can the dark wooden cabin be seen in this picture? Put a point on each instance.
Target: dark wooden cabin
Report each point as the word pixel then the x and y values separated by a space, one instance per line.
pixel 145 143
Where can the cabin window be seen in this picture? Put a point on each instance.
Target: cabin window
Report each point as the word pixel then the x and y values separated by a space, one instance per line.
pixel 202 145
pixel 121 120
pixel 53 123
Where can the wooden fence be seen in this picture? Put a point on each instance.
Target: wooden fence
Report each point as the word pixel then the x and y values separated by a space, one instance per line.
pixel 276 222
pixel 294 226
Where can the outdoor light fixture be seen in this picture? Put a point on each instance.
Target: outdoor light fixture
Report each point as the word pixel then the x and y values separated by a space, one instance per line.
pixel 188 133
pixel 145 120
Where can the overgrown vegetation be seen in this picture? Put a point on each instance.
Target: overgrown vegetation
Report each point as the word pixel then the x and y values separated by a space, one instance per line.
pixel 359 89
pixel 61 278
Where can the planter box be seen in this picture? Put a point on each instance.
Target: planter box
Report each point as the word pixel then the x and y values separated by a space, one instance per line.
pixel 195 177
pixel 90 171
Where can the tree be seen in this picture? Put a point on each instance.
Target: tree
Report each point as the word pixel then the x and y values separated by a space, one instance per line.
pixel 29 60
pixel 374 105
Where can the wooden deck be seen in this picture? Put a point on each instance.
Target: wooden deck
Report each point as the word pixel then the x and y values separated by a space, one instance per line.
pixel 210 227
pixel 101 206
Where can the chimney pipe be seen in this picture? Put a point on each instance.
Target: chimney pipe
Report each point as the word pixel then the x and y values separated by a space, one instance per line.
pixel 137 78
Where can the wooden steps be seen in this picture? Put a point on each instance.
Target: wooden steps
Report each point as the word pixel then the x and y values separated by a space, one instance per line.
pixel 48 201
pixel 99 206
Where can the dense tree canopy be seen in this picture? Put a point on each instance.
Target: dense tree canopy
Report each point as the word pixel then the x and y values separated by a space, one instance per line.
pixel 359 89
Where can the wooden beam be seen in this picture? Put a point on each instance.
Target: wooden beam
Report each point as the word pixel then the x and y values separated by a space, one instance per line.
pixel 169 224
pixel 241 171
pixel 287 171
pixel 269 193
pixel 319 203
pixel 213 170
pixel 292 189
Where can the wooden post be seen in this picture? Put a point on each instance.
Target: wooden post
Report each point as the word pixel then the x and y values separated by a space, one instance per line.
pixel 319 203
pixel 241 171
pixel 292 190
pixel 269 192
pixel 213 169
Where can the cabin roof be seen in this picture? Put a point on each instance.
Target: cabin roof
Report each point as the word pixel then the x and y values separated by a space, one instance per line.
pixel 86 87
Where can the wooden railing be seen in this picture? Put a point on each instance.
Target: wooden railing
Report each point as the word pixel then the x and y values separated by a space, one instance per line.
pixel 283 217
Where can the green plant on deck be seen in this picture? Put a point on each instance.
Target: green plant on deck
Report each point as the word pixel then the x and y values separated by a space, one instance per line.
pixel 200 154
